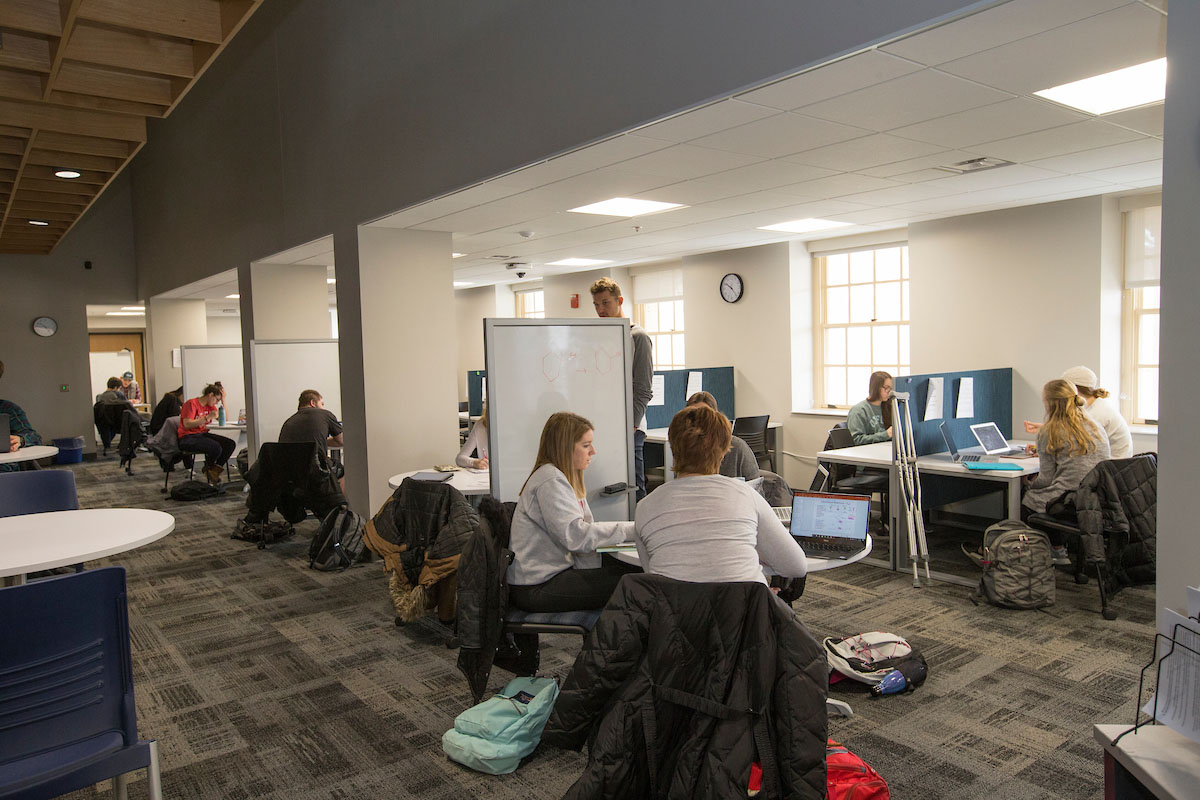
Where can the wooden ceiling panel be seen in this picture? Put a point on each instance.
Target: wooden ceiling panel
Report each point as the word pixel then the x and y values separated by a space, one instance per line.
pixel 78 79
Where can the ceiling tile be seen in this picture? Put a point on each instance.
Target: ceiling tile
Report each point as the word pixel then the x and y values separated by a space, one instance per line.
pixel 765 175
pixel 898 194
pixel 866 151
pixel 899 169
pixel 991 122
pixel 1033 192
pixel 995 26
pixel 1057 141
pixel 705 121
pixel 856 72
pixel 820 209
pixel 1115 155
pixel 1147 119
pixel 1147 173
pixel 905 100
pixel 990 178
pixel 780 135
pixel 691 193
pixel 439 207
pixel 609 151
pixel 836 186
pixel 872 215
pixel 687 161
pixel 1121 38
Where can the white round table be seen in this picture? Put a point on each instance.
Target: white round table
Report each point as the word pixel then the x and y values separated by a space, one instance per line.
pixel 31 453
pixel 34 542
pixel 467 482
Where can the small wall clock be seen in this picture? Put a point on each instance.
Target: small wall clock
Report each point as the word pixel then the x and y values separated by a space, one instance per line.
pixel 731 288
pixel 45 326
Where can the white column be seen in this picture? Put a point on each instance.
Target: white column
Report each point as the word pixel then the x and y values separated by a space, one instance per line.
pixel 171 324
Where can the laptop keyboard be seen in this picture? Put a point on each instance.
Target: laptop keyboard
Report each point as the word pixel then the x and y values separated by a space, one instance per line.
pixel 822 549
pixel 970 458
pixel 784 513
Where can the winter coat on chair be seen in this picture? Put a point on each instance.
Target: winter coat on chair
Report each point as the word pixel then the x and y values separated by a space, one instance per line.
pixel 681 686
pixel 1117 507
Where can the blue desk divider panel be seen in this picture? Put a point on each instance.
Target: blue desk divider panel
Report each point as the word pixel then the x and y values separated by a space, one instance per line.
pixel 475 391
pixel 718 381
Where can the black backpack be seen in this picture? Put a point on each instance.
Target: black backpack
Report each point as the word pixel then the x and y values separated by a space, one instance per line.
pixel 193 490
pixel 338 542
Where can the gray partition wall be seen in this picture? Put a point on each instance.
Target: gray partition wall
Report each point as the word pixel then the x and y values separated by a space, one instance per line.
pixel 280 371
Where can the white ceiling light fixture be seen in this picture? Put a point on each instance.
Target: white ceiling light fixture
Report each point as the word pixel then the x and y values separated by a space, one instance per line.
pixel 125 314
pixel 41 223
pixel 233 297
pixel 462 284
pixel 69 174
pixel 577 262
pixel 804 225
pixel 133 308
pixel 625 207
pixel 457 255
pixel 1134 86
pixel 331 280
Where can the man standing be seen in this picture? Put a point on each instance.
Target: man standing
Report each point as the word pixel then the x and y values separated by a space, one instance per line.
pixel 130 388
pixel 313 423
pixel 608 302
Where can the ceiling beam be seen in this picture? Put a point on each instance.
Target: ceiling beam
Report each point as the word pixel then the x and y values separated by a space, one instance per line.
pixel 67 11
pixel 34 16
pixel 20 85
pixel 185 19
pixel 30 53
pixel 69 120
pixel 137 88
pixel 91 145
pixel 42 172
pixel 131 50
pixel 55 185
pixel 106 104
pixel 58 159
pixel 20 167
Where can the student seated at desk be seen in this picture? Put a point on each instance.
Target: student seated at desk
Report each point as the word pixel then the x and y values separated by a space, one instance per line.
pixel 20 432
pixel 476 443
pixel 871 420
pixel 553 536
pixel 739 462
pixel 1069 445
pixel 194 419
pixel 1120 442
pixel 707 528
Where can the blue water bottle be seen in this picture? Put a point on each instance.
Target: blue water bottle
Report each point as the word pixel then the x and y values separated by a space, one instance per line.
pixel 892 683
pixel 221 415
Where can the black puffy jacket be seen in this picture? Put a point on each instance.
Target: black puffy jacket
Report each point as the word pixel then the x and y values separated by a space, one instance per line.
pixel 1118 500
pixel 680 686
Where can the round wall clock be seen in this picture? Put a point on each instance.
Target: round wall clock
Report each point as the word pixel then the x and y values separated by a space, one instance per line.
pixel 45 326
pixel 731 288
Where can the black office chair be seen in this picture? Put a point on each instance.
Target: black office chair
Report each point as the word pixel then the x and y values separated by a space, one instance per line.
pixel 753 431
pixel 846 479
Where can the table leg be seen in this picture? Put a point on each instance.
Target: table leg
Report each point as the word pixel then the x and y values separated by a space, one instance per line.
pixel 668 473
pixel 899 527
pixel 1013 489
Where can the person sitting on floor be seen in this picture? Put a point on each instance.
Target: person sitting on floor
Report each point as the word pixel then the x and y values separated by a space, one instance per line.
pixel 194 437
pixel 705 527
pixel 739 462
pixel 553 535
pixel 20 432
pixel 312 422
pixel 474 452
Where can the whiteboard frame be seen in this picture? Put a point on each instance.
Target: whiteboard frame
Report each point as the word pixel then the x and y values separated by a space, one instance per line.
pixel 498 408
pixel 254 428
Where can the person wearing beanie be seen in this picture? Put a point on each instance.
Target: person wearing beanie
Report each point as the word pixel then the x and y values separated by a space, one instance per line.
pixel 1120 441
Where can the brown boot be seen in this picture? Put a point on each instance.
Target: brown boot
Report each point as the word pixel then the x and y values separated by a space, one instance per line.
pixel 213 473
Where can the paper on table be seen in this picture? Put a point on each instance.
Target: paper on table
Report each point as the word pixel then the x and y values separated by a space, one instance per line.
pixel 658 390
pixel 966 399
pixel 1178 691
pixel 695 384
pixel 933 406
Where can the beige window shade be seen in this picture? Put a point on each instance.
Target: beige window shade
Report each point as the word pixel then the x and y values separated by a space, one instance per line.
pixel 1142 246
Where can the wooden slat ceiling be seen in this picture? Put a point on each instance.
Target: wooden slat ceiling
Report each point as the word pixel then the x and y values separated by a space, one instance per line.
pixel 78 78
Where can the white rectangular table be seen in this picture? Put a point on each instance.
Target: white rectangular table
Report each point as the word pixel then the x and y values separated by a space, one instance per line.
pixel 467 482
pixel 658 436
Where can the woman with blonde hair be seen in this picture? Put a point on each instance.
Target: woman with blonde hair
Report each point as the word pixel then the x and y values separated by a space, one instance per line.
pixel 1069 445
pixel 704 527
pixel 1120 442
pixel 554 536
pixel 475 445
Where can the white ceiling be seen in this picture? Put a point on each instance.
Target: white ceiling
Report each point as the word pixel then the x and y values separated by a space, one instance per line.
pixel 855 140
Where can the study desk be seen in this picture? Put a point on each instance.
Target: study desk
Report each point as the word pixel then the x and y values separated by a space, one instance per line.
pixel 31 453
pixel 238 434
pixel 34 542
pixel 658 436
pixel 467 482
pixel 879 456
pixel 1155 759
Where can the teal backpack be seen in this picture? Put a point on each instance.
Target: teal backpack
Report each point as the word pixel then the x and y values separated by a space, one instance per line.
pixel 495 735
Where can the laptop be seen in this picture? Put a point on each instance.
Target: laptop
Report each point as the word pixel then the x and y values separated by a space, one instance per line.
pixel 955 456
pixel 828 525
pixel 993 442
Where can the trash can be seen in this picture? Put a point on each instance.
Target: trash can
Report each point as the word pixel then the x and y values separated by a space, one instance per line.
pixel 70 451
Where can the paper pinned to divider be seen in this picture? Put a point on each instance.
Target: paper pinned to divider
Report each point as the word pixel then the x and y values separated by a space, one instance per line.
pixel 695 384
pixel 933 405
pixel 658 389
pixel 966 399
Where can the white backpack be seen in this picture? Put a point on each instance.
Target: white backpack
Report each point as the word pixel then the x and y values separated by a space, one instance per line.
pixel 868 657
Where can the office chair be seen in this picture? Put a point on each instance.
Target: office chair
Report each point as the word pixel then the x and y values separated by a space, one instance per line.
pixel 845 479
pixel 165 445
pixel 753 430
pixel 37 491
pixel 66 689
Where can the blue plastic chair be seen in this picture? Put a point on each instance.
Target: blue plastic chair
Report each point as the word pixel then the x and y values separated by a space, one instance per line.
pixel 67 717
pixel 36 491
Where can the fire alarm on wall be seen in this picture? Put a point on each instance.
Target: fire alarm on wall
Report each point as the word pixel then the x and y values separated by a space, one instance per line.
pixel 574 301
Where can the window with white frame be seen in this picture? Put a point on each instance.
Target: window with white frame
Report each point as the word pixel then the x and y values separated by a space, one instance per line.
pixel 659 310
pixel 862 312
pixel 530 304
pixel 1139 345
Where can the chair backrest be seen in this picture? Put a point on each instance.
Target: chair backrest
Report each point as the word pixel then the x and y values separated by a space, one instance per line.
pixel 287 462
pixel 749 426
pixel 840 438
pixel 65 674
pixel 464 406
pixel 37 491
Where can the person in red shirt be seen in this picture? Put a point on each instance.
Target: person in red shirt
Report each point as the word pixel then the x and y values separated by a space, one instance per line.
pixel 194 437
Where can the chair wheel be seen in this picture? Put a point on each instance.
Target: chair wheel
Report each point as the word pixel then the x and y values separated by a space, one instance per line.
pixel 452 643
pixel 399 622
pixel 1108 614
pixel 1081 578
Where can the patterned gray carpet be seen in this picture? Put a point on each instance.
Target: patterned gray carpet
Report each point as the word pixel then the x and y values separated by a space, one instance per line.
pixel 261 678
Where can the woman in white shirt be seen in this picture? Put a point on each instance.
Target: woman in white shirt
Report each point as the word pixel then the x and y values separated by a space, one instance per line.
pixel 704 527
pixel 1120 441
pixel 476 444
pixel 554 537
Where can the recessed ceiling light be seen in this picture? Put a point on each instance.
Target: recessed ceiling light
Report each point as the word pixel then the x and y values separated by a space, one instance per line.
pixel 804 225
pixel 1133 86
pixel 125 314
pixel 331 280
pixel 41 223
pixel 233 297
pixel 133 308
pixel 625 207
pixel 577 262
pixel 67 173
pixel 457 255
pixel 462 284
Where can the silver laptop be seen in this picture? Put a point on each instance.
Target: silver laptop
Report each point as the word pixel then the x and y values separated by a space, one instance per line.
pixel 829 525
pixel 992 440
pixel 820 482
pixel 955 456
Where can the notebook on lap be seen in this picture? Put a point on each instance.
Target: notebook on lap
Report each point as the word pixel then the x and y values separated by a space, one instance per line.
pixel 828 525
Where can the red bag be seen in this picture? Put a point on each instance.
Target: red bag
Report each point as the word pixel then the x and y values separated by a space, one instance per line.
pixel 848 777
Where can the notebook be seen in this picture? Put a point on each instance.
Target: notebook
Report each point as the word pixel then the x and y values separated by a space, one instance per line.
pixel 828 525
pixel 998 466
pixel 992 440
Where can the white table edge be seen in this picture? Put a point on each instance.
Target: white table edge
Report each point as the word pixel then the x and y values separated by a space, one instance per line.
pixel 1180 777
pixel 33 452
pixel 66 561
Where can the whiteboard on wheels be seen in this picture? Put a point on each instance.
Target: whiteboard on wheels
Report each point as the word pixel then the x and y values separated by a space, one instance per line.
pixel 536 367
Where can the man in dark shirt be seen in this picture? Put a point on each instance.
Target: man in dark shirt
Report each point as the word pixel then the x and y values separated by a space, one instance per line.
pixel 313 423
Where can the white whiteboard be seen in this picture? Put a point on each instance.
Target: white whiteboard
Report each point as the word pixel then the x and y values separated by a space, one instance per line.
pixel 281 370
pixel 109 365
pixel 203 364
pixel 538 367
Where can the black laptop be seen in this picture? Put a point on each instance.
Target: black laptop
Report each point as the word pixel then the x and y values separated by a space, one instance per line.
pixel 830 525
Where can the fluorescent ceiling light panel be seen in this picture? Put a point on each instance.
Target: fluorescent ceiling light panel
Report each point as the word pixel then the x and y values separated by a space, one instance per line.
pixel 804 225
pixel 331 280
pixel 1113 91
pixel 625 207
pixel 457 255
pixel 125 314
pixel 133 308
pixel 41 223
pixel 577 262
pixel 461 284
pixel 67 173
pixel 233 297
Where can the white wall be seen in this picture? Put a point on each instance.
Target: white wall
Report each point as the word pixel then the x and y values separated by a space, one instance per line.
pixel 291 301
pixel 171 324
pixel 106 323
pixel 471 307
pixel 226 330
pixel 559 288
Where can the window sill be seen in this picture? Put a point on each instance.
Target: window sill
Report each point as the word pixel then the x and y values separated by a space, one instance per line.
pixel 1144 430
pixel 822 412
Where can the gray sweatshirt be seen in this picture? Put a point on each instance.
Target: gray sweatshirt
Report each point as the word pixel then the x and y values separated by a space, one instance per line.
pixel 1059 472
pixel 739 462
pixel 643 374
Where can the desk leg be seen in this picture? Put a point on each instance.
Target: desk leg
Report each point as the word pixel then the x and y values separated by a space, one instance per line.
pixel 668 473
pixel 1013 490
pixel 773 437
pixel 899 526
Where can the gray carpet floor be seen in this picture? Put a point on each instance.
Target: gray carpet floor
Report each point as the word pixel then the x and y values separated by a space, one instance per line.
pixel 261 678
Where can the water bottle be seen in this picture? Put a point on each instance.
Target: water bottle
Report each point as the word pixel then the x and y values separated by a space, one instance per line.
pixel 892 683
pixel 221 415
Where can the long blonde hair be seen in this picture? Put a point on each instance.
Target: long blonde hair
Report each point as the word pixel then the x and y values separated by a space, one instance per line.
pixel 557 446
pixel 1067 429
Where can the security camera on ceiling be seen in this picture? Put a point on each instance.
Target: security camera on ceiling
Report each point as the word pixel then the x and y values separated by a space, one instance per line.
pixel 520 267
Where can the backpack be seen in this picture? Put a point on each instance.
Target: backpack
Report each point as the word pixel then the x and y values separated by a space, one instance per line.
pixel 338 542
pixel 193 490
pixel 495 735
pixel 848 777
pixel 1017 572
pixel 262 533
pixel 870 657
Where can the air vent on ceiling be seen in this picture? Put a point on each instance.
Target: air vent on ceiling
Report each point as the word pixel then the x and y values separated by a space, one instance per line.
pixel 502 258
pixel 975 165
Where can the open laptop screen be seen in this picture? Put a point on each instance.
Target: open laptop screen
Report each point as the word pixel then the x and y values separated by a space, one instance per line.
pixel 949 440
pixel 990 438
pixel 820 516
